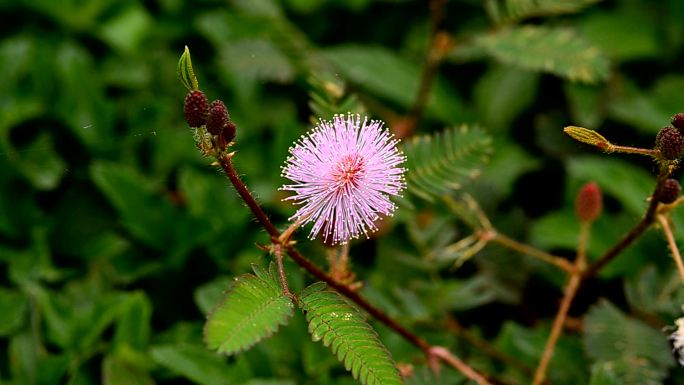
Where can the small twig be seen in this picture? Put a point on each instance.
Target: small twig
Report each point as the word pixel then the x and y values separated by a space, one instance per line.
pixel 446 356
pixel 278 251
pixel 633 150
pixel 672 244
pixel 522 248
pixel 287 234
pixel 569 295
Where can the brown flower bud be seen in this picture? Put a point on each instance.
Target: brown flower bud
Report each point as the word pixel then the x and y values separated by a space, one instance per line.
pixel 218 117
pixel 670 142
pixel 669 191
pixel 196 108
pixel 229 132
pixel 678 120
pixel 589 202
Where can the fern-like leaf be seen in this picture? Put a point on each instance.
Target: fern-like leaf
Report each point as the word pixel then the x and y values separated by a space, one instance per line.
pixel 343 329
pixel 328 96
pixel 555 50
pixel 506 11
pixel 441 163
pixel 635 353
pixel 251 310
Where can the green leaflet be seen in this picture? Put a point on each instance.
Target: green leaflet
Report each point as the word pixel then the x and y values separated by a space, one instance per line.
pixel 634 352
pixel 344 330
pixel 186 73
pixel 250 311
pixel 440 163
pixel 559 51
pixel 504 11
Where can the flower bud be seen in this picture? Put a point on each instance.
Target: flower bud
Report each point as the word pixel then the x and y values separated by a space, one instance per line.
pixel 669 191
pixel 229 132
pixel 670 142
pixel 589 202
pixel 678 121
pixel 196 108
pixel 218 117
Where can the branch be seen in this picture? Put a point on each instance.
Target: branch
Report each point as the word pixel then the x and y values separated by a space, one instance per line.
pixel 636 231
pixel 569 295
pixel 522 248
pixel 225 160
pixel 432 60
pixel 672 244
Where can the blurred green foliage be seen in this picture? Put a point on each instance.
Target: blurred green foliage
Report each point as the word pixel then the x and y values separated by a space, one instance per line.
pixel 117 237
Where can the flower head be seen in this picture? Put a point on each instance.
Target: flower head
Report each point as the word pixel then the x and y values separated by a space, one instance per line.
pixel 344 172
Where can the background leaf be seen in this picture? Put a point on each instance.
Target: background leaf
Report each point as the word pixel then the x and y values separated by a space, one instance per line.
pixel 636 353
pixel 556 50
pixel 512 10
pixel 441 163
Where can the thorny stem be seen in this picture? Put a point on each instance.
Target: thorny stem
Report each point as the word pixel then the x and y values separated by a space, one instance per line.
pixel 672 244
pixel 636 231
pixel 278 251
pixel 570 291
pixel 225 160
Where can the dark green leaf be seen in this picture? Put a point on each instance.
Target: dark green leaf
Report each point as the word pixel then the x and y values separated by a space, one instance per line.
pixel 603 374
pixel 506 11
pixel 133 327
pixel 126 30
pixel 387 75
pixel 118 372
pixel 637 353
pixel 194 363
pixel 556 50
pixel 40 163
pixel 13 307
pixel 503 93
pixel 147 214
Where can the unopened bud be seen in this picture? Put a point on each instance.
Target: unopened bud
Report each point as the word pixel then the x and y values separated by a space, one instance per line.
pixel 589 202
pixel 678 120
pixel 196 108
pixel 229 132
pixel 588 136
pixel 670 143
pixel 218 117
pixel 669 191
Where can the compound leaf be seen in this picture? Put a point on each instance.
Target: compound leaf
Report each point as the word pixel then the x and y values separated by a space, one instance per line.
pixel 440 163
pixel 636 353
pixel 250 311
pixel 504 11
pixel 343 329
pixel 559 51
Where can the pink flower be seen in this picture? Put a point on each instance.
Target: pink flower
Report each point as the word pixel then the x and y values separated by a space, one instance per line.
pixel 344 172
